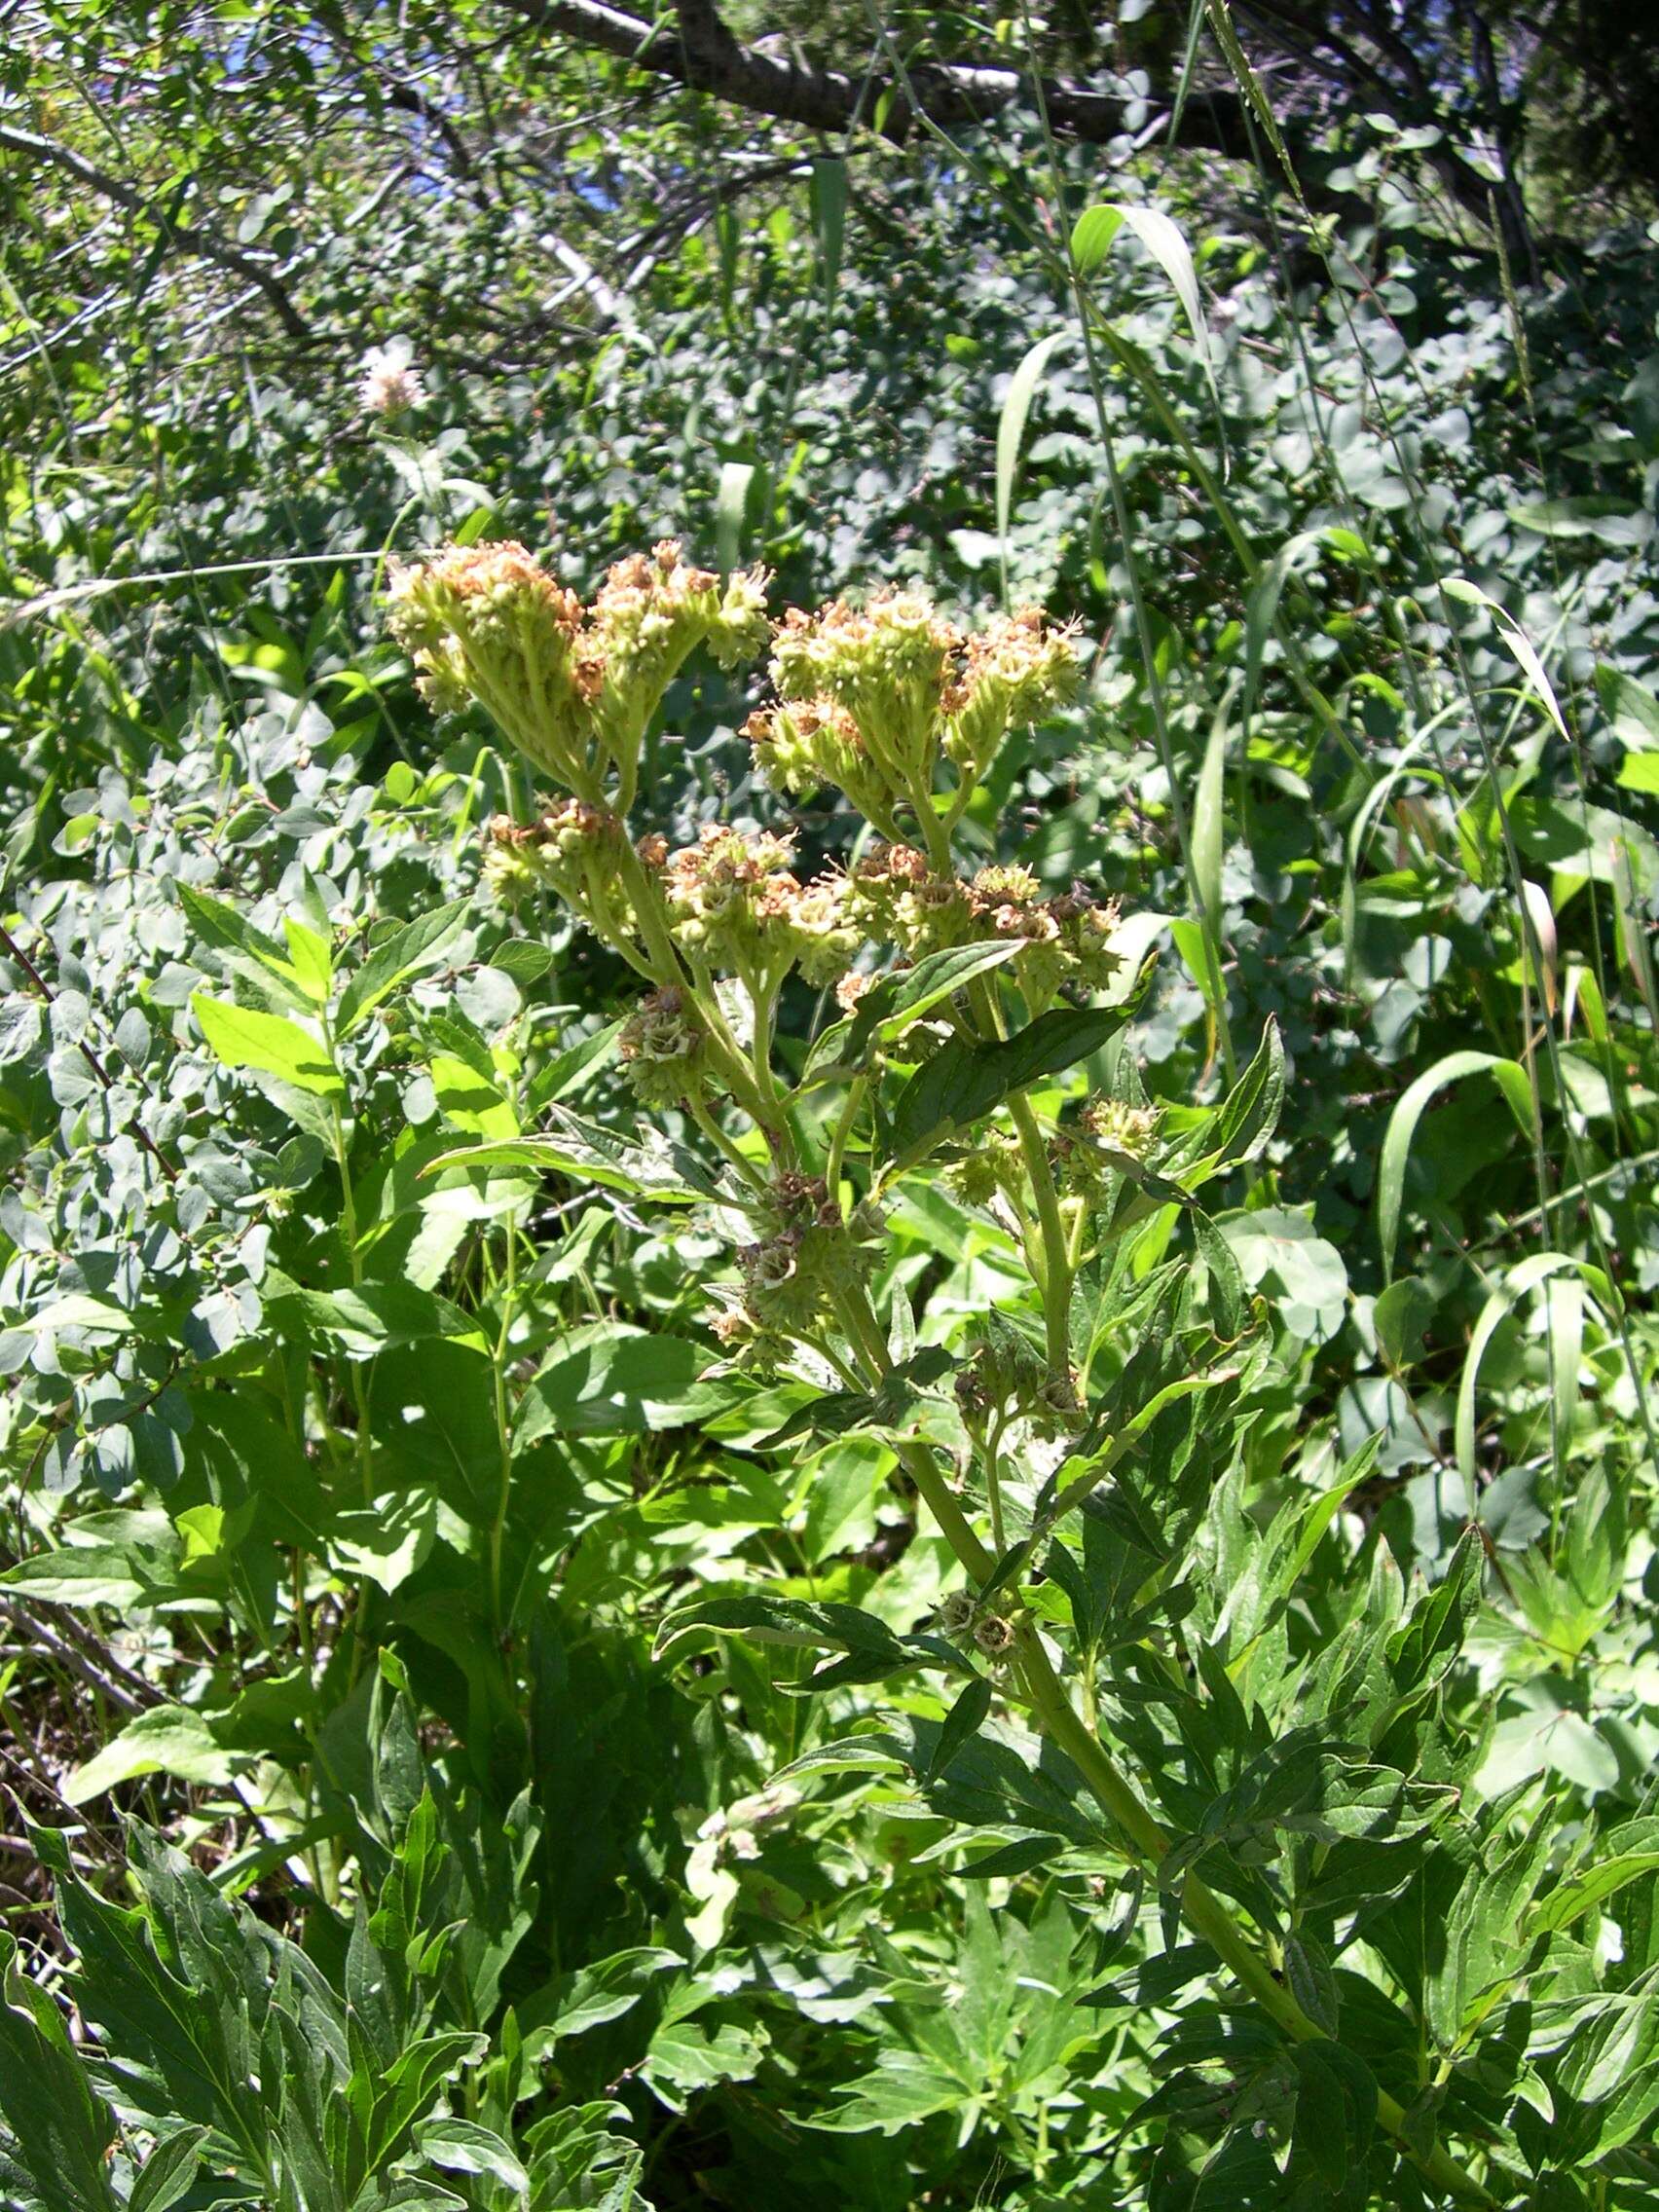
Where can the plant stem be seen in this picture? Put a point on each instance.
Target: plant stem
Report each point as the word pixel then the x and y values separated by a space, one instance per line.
pixel 1059 1719
pixel 503 1427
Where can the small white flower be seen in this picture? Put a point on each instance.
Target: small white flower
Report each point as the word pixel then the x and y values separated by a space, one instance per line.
pixel 390 382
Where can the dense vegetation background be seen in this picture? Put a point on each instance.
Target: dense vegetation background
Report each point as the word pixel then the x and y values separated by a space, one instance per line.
pixel 342 1507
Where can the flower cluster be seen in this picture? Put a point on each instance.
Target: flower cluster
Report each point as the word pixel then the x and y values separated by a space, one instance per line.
pixel 1005 1380
pixel 662 1049
pixel 650 614
pixel 897 897
pixel 807 1255
pixel 572 848
pixel 1111 1137
pixel 391 383
pixel 869 697
pixel 572 688
pixel 734 905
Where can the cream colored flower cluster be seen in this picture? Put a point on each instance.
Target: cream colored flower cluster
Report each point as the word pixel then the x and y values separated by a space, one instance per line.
pixel 735 906
pixel 572 848
pixel 661 1049
pixel 806 1256
pixel 1109 1137
pixel 898 897
pixel 572 688
pixel 871 697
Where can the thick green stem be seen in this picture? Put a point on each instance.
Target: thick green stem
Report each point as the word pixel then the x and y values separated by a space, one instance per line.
pixel 1059 1719
pixel 503 1427
pixel 1056 1244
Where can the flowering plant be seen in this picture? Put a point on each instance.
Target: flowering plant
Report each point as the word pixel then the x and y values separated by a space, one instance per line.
pixel 957 1002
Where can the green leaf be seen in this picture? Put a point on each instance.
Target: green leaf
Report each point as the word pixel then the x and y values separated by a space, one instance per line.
pixel 59 2127
pixel 168 1739
pixel 227 931
pixel 848 1413
pixel 1400 1316
pixel 888 1010
pixel 267 1043
pixel 611 1379
pixel 905 2088
pixel 1511 1079
pixel 395 959
pixel 829 218
pixel 1521 646
pixel 1206 832
pixel 966 1718
pixel 1520 1279
pixel 462 2146
pixel 1631 707
pixel 731 507
pixel 1093 238
pixel 168 2172
pixel 870 1645
pixel 594 1995
pixel 313 959
pixel 1591 514
pixel 962 1083
pixel 653 1168
pixel 1632 1854
pixel 1011 429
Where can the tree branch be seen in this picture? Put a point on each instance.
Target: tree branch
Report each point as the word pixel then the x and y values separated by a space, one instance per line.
pixel 696 50
pixel 253 269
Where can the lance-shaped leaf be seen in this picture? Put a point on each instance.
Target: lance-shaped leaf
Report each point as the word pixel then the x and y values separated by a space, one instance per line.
pixel 873 1650
pixel 889 1008
pixel 962 1083
pixel 844 1413
pixel 654 1169
pixel 397 957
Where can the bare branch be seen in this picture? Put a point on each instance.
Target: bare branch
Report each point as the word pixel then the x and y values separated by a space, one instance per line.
pixel 696 50
pixel 253 269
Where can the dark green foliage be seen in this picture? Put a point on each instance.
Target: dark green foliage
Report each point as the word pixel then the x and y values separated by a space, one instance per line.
pixel 468 1740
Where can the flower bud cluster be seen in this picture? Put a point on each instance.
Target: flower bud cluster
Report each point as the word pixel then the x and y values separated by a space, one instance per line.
pixel 960 1617
pixel 733 904
pixel 869 697
pixel 573 689
pixel 572 848
pixel 806 1256
pixel 662 1049
pixel 1111 1137
pixel 896 895
pixel 650 614
pixel 1005 1380
pixel 990 1169
pixel 1012 673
